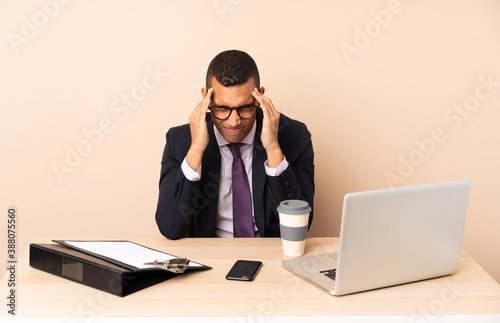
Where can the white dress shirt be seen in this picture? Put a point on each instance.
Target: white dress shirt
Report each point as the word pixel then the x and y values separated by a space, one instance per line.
pixel 224 220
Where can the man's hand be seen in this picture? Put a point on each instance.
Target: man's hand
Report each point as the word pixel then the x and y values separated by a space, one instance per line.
pixel 199 131
pixel 270 127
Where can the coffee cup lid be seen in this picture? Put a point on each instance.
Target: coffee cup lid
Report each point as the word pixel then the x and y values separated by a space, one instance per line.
pixel 294 207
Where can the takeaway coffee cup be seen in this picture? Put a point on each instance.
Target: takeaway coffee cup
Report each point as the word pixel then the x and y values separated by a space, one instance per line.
pixel 294 219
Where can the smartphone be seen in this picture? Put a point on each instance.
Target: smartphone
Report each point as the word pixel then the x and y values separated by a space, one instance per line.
pixel 244 270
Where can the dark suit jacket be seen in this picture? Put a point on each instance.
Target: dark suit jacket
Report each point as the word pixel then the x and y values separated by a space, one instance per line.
pixel 187 208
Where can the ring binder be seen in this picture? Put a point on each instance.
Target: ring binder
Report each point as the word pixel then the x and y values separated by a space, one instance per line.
pixel 104 273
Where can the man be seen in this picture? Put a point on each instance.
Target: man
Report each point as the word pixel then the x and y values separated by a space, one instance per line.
pixel 225 173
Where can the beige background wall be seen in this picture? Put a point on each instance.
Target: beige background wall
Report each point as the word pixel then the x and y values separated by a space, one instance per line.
pixel 395 93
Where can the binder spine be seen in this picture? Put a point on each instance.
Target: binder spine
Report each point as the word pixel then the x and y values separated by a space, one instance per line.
pixel 77 270
pixel 93 272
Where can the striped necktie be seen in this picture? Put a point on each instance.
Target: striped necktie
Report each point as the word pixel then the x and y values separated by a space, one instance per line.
pixel 242 201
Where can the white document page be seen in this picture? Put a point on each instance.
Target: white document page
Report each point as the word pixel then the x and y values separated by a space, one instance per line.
pixel 126 252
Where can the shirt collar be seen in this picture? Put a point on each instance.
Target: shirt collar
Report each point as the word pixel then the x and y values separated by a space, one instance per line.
pixel 248 140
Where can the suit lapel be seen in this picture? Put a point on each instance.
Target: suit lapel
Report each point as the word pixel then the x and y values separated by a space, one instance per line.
pixel 211 174
pixel 259 176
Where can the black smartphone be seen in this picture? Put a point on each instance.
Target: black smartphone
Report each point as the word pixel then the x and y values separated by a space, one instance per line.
pixel 244 270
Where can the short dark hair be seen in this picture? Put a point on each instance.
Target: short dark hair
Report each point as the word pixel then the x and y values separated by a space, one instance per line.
pixel 231 68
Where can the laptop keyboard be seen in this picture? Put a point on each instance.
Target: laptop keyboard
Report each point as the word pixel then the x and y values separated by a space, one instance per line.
pixel 330 273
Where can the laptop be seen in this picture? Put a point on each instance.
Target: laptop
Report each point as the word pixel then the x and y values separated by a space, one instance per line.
pixel 390 237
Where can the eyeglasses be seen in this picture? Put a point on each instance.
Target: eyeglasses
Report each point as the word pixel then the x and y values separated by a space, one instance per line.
pixel 244 112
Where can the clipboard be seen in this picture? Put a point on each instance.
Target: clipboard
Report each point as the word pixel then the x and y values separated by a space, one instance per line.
pixel 100 271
